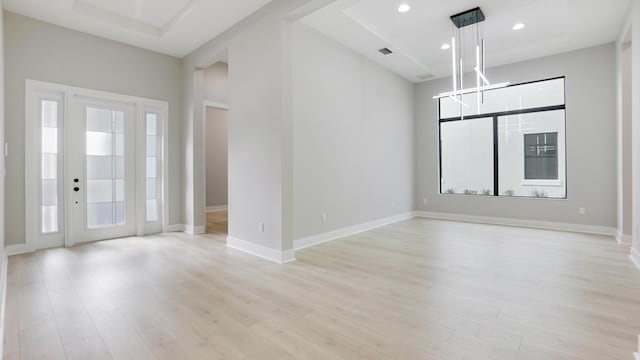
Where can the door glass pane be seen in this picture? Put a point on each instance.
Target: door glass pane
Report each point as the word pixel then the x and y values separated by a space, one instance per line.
pixel 49 140
pixel 99 191
pixel 49 166
pixel 49 113
pixel 119 148
pixel 119 164
pixel 151 145
pixel 151 167
pixel 99 120
pixel 120 220
pixel 99 167
pixel 152 210
pixel 467 157
pixel 49 219
pixel 99 143
pixel 49 192
pixel 119 189
pixel 99 215
pixel 151 189
pixel 105 168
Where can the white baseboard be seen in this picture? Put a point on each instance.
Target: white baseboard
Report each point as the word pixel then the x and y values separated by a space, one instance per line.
pixel 623 239
pixel 3 295
pixel 189 229
pixel 174 228
pixel 194 230
pixel 216 208
pixel 635 257
pixel 264 252
pixel 308 241
pixel 547 225
pixel 17 249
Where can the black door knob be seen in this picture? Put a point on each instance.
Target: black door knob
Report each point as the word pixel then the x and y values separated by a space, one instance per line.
pixel 76 180
pixel 76 189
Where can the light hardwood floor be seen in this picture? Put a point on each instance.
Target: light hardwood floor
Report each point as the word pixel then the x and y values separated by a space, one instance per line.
pixel 217 224
pixel 419 289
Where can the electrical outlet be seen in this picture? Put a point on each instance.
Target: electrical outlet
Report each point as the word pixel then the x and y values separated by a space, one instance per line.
pixel 582 211
pixel 425 201
pixel 261 226
pixel 324 217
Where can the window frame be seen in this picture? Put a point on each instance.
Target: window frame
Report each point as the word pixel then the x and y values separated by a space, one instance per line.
pixel 496 149
pixel 554 156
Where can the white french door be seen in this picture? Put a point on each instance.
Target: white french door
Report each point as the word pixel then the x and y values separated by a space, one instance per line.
pixel 101 170
pixel 94 166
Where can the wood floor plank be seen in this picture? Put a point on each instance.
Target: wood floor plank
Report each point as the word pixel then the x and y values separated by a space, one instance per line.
pixel 418 289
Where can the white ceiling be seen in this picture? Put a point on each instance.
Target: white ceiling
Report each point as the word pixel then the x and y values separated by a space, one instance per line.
pixel 174 27
pixel 552 26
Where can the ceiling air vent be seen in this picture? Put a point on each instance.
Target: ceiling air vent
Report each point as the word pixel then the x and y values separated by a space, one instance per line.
pixel 385 51
pixel 426 76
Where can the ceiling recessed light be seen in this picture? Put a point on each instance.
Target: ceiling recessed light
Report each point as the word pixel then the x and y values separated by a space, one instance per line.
pixel 403 8
pixel 445 47
pixel 518 26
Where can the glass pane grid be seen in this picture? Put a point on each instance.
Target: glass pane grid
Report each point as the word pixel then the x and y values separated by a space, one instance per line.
pixel 152 152
pixel 105 164
pixel 49 166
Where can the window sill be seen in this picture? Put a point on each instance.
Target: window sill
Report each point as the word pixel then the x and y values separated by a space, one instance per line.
pixel 549 183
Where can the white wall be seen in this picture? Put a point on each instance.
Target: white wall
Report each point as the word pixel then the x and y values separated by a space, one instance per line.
pixel 352 137
pixel 258 137
pixel 41 51
pixel 591 143
pixel 216 83
pixel 2 136
pixel 217 154
pixel 632 25
pixel 626 141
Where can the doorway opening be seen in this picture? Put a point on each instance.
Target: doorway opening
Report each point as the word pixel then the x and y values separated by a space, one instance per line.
pixel 216 134
pixel 626 141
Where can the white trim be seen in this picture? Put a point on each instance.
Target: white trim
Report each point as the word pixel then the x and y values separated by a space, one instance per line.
pixel 217 208
pixel 623 239
pixel 17 249
pixel 174 228
pixel 214 104
pixel 277 256
pixel 194 230
pixel 3 295
pixel 547 225
pixel 312 240
pixel 551 183
pixel 635 257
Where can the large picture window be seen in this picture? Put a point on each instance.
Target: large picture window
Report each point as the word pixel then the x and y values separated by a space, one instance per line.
pixel 513 145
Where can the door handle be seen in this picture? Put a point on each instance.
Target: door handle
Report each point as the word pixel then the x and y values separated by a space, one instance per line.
pixel 76 189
